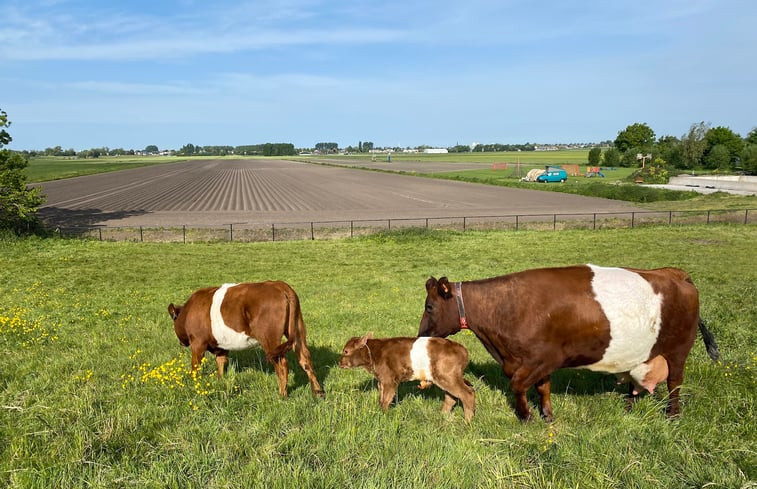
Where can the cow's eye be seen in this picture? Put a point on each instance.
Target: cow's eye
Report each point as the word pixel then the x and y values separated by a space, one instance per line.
pixel 429 307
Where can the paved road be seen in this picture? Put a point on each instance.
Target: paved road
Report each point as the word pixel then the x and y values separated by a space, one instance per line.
pixel 213 192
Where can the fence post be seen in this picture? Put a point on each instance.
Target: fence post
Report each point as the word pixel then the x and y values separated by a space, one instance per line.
pixel 231 232
pixel 141 236
pixel 554 222
pixel 633 218
pixel 708 217
pixel 516 222
pixel 595 222
pixel 184 233
pixel 670 218
pixel 351 229
pixel 464 224
pixel 312 235
pixel 273 232
pixel 746 213
pixel 100 232
pixel 389 224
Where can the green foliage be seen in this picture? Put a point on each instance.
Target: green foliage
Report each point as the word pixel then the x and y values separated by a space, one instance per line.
pixel 638 136
pixel 100 396
pixel 751 137
pixel 595 156
pixel 749 158
pixel 718 157
pixel 654 172
pixel 693 145
pixel 18 203
pixel 722 136
pixel 611 157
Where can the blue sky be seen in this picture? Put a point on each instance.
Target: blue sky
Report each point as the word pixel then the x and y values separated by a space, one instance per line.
pixel 83 74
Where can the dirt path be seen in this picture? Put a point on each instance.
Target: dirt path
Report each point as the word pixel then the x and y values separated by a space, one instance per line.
pixel 212 192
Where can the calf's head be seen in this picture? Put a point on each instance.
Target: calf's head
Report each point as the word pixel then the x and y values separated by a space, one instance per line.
pixel 441 316
pixel 355 353
pixel 178 324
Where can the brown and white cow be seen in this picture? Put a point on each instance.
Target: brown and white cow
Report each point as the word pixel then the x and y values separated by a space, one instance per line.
pixel 636 323
pixel 431 360
pixel 240 316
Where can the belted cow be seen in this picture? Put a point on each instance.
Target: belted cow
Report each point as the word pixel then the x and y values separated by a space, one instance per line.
pixel 240 316
pixel 639 324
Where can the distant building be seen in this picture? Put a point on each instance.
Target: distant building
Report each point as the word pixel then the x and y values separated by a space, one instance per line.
pixel 436 150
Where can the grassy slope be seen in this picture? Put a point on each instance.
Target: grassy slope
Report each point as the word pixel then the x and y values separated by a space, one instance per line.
pixel 94 390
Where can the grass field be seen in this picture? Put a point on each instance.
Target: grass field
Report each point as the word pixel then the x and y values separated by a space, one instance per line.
pixel 44 169
pixel 95 389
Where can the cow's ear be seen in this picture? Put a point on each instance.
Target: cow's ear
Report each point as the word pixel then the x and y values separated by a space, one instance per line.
pixel 444 288
pixel 430 284
pixel 174 311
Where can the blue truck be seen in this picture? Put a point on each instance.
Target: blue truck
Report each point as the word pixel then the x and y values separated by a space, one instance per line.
pixel 552 175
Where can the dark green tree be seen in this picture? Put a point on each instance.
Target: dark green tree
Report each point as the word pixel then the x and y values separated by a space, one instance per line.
pixel 611 157
pixel 723 136
pixel 749 158
pixel 151 148
pixel 638 135
pixel 718 157
pixel 18 202
pixel 693 145
pixel 751 137
pixel 595 156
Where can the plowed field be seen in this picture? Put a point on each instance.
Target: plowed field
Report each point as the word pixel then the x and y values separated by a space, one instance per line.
pixel 212 192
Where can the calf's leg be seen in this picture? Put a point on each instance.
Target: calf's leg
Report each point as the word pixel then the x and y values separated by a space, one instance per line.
pixel 221 359
pixel 675 379
pixel 387 391
pixel 543 387
pixel 198 351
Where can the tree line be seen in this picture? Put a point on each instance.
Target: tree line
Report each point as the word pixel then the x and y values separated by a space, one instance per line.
pixel 266 149
pixel 702 147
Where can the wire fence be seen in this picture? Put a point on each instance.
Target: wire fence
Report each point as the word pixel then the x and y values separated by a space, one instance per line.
pixel 321 230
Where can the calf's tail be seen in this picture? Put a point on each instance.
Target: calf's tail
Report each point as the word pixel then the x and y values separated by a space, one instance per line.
pixel 709 342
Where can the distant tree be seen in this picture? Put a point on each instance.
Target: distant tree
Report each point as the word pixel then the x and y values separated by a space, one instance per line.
pixel 18 203
pixel 723 136
pixel 367 147
pixel 638 135
pixel 151 148
pixel 328 147
pixel 611 157
pixel 718 157
pixel 749 158
pixel 693 145
pixel 595 155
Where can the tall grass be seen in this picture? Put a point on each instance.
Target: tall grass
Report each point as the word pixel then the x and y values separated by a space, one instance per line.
pixel 95 389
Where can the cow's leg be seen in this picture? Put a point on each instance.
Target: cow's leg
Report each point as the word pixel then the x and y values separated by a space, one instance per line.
pixel 524 377
pixel 303 355
pixel 675 379
pixel 449 402
pixel 387 391
pixel 282 374
pixel 543 387
pixel 198 351
pixel 222 357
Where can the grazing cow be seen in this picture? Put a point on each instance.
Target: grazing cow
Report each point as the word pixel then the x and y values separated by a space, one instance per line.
pixel 430 360
pixel 641 323
pixel 240 316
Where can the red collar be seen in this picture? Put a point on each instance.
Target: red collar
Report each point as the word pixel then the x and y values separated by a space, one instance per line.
pixel 461 305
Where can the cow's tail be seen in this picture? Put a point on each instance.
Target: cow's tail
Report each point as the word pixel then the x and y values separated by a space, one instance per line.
pixel 709 341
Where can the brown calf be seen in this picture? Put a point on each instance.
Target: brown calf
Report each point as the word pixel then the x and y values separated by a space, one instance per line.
pixel 395 360
pixel 240 316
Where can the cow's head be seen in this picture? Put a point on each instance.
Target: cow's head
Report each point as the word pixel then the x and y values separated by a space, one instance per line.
pixel 440 317
pixel 178 324
pixel 355 353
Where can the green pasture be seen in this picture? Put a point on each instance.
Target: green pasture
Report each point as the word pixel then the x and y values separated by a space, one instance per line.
pixel 95 389
pixel 48 168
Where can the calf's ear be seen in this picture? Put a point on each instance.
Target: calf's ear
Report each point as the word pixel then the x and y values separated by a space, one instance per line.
pixel 364 339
